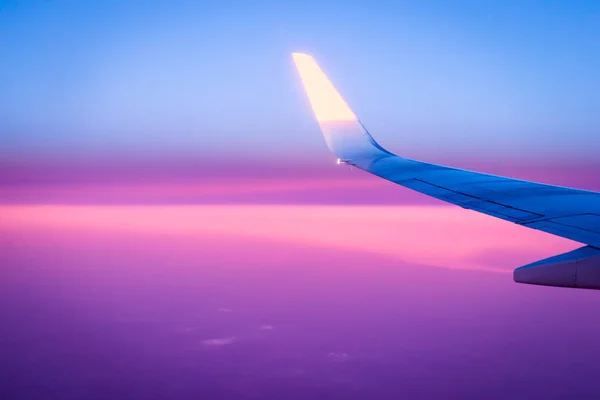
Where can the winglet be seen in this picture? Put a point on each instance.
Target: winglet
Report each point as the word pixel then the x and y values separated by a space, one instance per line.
pixel 326 102
pixel 346 137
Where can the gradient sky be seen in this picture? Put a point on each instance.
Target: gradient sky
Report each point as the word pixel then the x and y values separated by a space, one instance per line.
pixel 206 78
pixel 174 93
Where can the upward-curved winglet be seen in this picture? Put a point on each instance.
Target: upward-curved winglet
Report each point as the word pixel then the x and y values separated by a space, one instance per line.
pixel 346 137
pixel 570 213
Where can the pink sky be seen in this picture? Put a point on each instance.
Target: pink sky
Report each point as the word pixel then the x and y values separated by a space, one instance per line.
pixel 188 180
pixel 448 237
pixel 201 182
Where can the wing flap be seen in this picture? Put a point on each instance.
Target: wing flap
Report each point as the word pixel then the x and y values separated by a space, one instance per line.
pixel 586 222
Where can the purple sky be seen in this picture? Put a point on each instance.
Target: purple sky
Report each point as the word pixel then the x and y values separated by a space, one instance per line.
pixel 237 302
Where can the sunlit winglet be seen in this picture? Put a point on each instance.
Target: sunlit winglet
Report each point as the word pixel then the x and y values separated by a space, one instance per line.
pixel 344 134
pixel 326 102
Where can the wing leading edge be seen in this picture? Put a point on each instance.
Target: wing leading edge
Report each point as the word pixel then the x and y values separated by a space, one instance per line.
pixel 570 213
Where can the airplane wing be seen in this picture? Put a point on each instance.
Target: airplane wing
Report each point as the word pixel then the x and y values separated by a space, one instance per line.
pixel 570 213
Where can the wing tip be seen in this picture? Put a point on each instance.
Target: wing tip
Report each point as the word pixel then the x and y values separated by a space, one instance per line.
pixel 299 57
pixel 345 135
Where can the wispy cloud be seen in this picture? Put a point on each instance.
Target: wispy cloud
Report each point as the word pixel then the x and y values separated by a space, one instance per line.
pixel 337 356
pixel 219 341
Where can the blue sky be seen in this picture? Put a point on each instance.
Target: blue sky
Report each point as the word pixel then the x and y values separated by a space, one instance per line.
pixel 428 78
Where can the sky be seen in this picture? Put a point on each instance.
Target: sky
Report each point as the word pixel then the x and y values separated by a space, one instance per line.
pixel 272 302
pixel 172 224
pixel 165 91
pixel 202 79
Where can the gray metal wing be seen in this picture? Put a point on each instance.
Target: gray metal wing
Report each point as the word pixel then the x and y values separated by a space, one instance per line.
pixel 570 213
